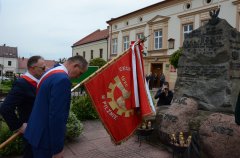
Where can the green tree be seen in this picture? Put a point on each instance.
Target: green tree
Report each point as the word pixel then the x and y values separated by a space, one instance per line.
pixel 175 57
pixel 97 62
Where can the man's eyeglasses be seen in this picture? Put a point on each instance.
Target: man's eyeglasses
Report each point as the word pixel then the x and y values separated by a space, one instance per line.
pixel 42 68
pixel 81 71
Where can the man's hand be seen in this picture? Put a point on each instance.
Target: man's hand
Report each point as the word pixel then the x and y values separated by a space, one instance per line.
pixel 58 155
pixel 165 89
pixel 23 128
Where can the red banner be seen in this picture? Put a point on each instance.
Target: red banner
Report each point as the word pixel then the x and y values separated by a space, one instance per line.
pixel 113 95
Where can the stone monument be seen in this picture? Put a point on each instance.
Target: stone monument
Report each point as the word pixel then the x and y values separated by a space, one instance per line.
pixel 206 90
pixel 209 68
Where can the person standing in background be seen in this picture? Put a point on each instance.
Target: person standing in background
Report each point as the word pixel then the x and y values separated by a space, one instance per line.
pixel 164 94
pixel 162 79
pixel 18 104
pixel 151 80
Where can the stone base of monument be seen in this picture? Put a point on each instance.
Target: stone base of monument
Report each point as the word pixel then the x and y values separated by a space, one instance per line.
pixel 218 134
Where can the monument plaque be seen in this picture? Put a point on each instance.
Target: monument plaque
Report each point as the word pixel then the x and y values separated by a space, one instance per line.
pixel 209 68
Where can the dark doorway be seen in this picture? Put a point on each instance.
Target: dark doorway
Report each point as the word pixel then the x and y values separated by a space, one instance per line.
pixel 157 69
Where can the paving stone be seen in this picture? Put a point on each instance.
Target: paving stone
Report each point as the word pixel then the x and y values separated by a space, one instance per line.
pixel 81 147
pixel 95 142
pixel 92 135
pixel 92 154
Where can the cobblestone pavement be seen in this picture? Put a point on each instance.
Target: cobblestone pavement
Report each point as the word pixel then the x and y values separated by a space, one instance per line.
pixel 95 142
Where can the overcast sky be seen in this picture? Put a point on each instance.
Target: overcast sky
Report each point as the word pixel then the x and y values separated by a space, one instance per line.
pixel 50 27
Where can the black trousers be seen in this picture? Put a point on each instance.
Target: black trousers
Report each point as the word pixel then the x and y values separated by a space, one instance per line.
pixel 27 153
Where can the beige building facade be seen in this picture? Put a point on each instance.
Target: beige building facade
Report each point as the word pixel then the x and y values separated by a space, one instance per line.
pixel 95 45
pixel 92 50
pixel 166 23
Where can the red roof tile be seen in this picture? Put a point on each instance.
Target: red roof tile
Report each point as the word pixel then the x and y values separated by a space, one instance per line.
pixel 22 63
pixel 95 36
pixel 8 52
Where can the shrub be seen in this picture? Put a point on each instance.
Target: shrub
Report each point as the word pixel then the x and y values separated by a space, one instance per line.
pixel 74 126
pixel 83 108
pixel 5 86
pixel 7 82
pixel 13 148
pixel 97 62
pixel 175 57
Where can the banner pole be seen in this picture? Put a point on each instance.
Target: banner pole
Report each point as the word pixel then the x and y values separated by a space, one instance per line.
pixel 108 63
pixel 15 135
pixel 10 139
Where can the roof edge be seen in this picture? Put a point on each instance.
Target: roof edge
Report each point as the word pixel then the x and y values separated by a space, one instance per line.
pixel 139 10
pixel 89 42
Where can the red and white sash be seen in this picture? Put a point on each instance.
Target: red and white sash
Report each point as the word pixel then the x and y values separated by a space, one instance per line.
pixel 58 69
pixel 30 79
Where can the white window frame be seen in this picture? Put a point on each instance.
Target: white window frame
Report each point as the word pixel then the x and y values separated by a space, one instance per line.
pixel 125 43
pixel 139 36
pixel 158 41
pixel 188 29
pixel 114 45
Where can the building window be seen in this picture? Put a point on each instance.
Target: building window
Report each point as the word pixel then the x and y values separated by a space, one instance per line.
pixel 140 19
pixel 114 46
pixel 126 23
pixel 187 29
pixel 115 26
pixel 76 54
pixel 91 54
pixel 9 73
pixel 125 42
pixel 9 63
pixel 140 36
pixel 84 54
pixel 157 39
pixel 100 53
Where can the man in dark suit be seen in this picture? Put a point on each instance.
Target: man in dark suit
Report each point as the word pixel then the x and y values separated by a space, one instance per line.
pixel 47 123
pixel 164 94
pixel 21 98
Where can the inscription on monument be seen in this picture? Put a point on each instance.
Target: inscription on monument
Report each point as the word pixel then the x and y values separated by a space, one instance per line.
pixel 181 101
pixel 170 118
pixel 235 64
pixel 223 130
pixel 206 71
pixel 204 43
pixel 211 58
